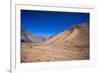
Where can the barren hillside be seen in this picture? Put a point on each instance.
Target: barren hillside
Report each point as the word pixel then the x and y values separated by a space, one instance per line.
pixel 71 44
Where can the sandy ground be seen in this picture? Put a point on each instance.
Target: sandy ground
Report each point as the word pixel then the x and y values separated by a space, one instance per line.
pixel 44 53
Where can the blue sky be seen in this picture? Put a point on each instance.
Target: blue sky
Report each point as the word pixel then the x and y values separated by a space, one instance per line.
pixel 50 22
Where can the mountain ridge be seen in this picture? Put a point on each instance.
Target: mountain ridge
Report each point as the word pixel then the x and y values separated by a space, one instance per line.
pixel 74 32
pixel 29 37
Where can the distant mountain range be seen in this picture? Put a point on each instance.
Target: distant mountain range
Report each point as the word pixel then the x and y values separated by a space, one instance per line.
pixel 29 37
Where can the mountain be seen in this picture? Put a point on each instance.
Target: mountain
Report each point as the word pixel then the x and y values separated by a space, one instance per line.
pixel 75 35
pixel 29 37
pixel 71 44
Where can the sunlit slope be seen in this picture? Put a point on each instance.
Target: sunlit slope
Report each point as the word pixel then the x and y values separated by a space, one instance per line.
pixel 76 35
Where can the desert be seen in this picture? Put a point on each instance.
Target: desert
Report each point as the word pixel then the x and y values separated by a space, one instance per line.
pixel 70 44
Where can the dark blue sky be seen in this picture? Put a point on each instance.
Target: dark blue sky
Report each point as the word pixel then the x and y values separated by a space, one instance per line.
pixel 50 22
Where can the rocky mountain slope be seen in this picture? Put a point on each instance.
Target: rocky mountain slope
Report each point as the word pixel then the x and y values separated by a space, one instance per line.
pixel 76 35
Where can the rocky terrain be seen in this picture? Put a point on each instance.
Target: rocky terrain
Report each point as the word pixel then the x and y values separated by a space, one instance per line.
pixel 71 44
